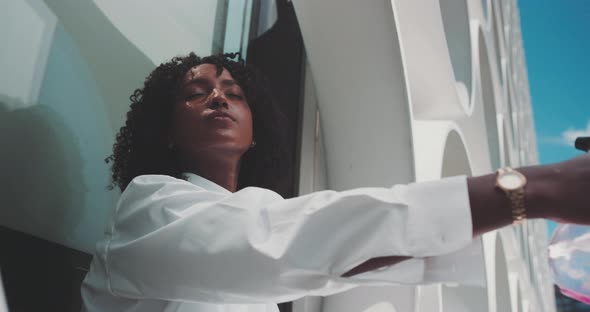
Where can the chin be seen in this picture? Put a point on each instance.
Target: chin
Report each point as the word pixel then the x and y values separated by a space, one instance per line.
pixel 230 147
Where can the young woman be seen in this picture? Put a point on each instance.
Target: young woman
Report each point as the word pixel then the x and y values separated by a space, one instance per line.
pixel 199 228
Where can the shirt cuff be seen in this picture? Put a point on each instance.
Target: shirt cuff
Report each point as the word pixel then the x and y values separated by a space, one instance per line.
pixel 439 217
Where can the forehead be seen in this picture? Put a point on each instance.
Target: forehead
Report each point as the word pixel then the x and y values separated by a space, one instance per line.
pixel 208 71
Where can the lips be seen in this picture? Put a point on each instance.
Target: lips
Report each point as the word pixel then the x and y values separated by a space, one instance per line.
pixel 220 115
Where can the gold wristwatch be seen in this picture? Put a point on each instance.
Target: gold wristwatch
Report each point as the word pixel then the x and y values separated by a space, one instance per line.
pixel 513 183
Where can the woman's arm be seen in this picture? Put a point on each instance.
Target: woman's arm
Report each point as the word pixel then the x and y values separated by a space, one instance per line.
pixel 559 191
pixel 173 240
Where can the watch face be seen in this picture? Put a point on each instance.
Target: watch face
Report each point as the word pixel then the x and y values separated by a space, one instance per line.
pixel 511 181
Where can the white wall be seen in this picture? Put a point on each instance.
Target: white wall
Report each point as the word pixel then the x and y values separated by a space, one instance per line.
pixel 26 31
pixel 433 88
pixel 164 29
pixel 419 103
pixel 67 69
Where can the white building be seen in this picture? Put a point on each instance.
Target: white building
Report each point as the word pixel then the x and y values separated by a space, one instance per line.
pixel 448 94
pixel 444 84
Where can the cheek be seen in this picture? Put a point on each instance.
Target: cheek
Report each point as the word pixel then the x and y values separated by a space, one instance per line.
pixel 185 120
pixel 249 123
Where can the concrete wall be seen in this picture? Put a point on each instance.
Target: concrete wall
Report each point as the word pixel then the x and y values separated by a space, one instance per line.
pixel 433 88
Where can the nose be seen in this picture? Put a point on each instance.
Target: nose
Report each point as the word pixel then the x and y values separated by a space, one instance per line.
pixel 218 100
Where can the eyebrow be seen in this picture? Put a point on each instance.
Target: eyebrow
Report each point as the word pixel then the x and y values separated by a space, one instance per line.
pixel 204 81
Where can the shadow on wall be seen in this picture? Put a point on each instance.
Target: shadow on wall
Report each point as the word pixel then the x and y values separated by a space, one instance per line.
pixel 116 64
pixel 41 184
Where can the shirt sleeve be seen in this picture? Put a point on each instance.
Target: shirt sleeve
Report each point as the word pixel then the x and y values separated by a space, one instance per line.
pixel 173 240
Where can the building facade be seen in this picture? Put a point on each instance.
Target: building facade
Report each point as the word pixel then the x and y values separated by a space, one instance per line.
pixel 442 86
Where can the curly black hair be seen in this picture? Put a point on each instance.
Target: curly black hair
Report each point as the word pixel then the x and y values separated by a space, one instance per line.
pixel 141 145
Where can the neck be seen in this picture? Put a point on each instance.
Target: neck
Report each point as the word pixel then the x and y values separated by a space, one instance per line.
pixel 222 171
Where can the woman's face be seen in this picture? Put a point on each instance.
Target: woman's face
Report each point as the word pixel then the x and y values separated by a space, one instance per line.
pixel 211 114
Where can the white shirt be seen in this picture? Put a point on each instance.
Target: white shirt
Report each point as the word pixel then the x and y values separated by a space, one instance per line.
pixel 176 245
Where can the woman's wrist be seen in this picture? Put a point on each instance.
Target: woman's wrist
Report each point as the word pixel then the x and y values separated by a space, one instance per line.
pixel 541 191
pixel 491 208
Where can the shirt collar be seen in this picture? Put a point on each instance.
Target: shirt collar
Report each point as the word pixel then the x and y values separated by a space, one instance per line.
pixel 204 183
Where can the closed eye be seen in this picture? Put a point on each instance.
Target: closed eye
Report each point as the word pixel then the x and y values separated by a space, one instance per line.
pixel 195 95
pixel 235 96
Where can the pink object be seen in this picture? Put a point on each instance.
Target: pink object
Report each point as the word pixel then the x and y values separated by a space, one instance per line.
pixel 569 259
pixel 575 295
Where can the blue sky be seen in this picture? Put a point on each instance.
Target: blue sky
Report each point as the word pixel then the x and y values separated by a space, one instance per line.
pixel 556 38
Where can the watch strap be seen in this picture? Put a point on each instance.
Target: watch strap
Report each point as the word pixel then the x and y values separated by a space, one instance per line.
pixel 517 205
